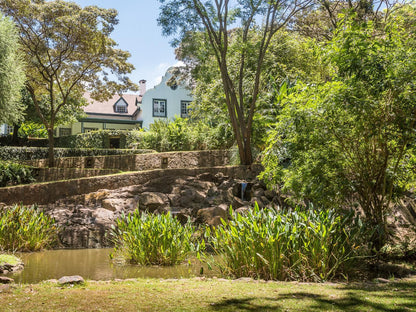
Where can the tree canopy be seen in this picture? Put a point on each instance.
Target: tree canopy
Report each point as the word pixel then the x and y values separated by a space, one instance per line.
pixel 351 140
pixel 221 21
pixel 68 51
pixel 11 73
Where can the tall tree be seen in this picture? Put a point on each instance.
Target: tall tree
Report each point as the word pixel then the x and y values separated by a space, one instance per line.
pixel 12 76
pixel 352 140
pixel 68 50
pixel 219 20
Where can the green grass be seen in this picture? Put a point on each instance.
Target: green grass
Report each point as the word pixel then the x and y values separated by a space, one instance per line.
pixel 10 259
pixel 212 295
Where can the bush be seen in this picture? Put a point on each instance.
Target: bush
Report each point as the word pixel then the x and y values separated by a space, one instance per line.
pixel 30 153
pixel 150 239
pixel 302 245
pixel 25 229
pixel 182 135
pixel 13 173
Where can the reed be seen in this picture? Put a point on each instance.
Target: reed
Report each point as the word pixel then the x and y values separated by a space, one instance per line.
pixel 152 239
pixel 299 244
pixel 25 228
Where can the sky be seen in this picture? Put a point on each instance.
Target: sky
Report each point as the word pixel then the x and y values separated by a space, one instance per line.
pixel 138 33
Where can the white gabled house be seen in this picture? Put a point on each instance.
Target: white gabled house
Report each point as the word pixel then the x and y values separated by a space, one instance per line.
pixel 165 101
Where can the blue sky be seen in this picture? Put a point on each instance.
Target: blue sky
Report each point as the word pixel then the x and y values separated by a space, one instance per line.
pixel 138 33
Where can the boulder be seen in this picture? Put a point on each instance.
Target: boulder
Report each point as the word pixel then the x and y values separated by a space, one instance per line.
pixel 71 280
pixel 211 216
pixel 153 201
pixel 6 280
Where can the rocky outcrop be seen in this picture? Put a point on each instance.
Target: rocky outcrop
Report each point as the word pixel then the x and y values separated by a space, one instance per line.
pixel 86 220
pixel 71 280
pixel 6 268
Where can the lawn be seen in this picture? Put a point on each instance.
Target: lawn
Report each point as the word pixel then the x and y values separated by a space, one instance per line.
pixel 211 295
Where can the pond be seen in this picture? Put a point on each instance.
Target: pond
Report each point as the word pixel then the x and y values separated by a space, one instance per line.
pixel 95 264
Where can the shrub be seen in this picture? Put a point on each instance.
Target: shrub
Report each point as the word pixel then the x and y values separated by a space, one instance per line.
pixel 305 245
pixel 13 173
pixel 25 229
pixel 150 239
pixel 182 135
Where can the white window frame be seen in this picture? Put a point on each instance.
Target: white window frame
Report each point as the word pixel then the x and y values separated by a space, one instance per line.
pixel 159 107
pixel 185 109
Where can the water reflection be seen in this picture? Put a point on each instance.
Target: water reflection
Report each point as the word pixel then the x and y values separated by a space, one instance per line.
pixel 94 264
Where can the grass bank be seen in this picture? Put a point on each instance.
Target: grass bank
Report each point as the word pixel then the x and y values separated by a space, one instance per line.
pixel 212 295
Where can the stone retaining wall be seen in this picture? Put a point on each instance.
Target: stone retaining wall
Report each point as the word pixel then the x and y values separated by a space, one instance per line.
pixel 138 162
pixel 50 192
pixel 56 174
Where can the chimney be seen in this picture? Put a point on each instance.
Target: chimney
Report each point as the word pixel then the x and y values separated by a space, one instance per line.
pixel 142 87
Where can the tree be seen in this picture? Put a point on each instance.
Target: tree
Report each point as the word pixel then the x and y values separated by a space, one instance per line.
pixel 290 58
pixel 321 20
pixel 12 76
pixel 351 140
pixel 68 50
pixel 213 19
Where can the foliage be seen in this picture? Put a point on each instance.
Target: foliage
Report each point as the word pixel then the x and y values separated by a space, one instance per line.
pixel 149 239
pixel 68 51
pixel 25 229
pixel 213 20
pixel 30 153
pixel 289 58
pixel 300 244
pixel 182 135
pixel 14 173
pixel 11 73
pixel 352 139
pixel 10 259
pixel 32 129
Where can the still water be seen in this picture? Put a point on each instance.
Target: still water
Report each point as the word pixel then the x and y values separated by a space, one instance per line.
pixel 95 264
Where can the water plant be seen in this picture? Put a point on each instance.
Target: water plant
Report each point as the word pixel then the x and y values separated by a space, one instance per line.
pixel 152 239
pixel 25 228
pixel 299 244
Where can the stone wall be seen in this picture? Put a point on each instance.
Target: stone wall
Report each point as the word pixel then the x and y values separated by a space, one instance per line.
pixel 170 160
pixel 50 192
pixel 56 174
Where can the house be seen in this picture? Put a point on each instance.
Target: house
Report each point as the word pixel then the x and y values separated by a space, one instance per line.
pixel 5 129
pixel 164 101
pixel 118 113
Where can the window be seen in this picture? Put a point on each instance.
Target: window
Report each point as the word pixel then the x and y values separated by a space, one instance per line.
pixel 121 108
pixel 9 130
pixel 159 108
pixel 65 131
pixel 185 109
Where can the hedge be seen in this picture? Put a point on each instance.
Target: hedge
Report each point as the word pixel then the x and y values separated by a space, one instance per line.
pixel 29 153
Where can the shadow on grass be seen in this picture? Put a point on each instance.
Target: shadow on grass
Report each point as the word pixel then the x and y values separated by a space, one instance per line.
pixel 397 297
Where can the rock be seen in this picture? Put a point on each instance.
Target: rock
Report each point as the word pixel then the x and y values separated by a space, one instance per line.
pixel 381 280
pixel 211 216
pixel 269 194
pixel 6 280
pixel 72 280
pixel 117 204
pixel 103 215
pixel 243 210
pixel 258 192
pixel 153 201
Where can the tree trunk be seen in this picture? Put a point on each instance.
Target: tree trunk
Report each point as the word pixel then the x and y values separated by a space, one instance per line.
pixel 51 158
pixel 15 138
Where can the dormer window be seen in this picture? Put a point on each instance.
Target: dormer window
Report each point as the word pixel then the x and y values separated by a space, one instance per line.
pixel 120 106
